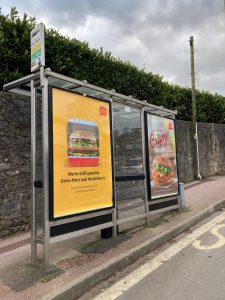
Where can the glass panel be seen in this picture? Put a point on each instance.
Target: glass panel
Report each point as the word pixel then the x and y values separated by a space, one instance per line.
pixel 129 189
pixel 61 83
pixel 131 202
pixel 127 140
pixel 77 88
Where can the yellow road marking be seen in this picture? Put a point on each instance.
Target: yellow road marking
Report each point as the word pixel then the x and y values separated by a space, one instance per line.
pixel 218 244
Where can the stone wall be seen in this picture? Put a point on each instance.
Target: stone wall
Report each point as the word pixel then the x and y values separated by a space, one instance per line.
pixel 211 141
pixel 185 151
pixel 15 153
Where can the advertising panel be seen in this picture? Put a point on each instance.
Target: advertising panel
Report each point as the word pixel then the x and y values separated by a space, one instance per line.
pixel 162 163
pixel 82 157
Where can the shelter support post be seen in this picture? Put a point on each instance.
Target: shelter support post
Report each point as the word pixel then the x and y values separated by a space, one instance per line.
pixel 33 174
pixel 45 132
pixel 115 210
pixel 115 217
pixel 145 167
pixel 181 196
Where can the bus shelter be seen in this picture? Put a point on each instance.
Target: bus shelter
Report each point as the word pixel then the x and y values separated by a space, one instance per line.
pixel 92 149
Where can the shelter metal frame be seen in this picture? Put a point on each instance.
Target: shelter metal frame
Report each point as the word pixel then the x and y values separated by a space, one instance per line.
pixel 37 84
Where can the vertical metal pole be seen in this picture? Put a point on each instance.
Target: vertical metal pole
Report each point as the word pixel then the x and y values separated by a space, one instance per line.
pixel 115 216
pixel 193 84
pixel 45 133
pixel 33 174
pixel 197 154
pixel 115 210
pixel 145 167
pixel 181 196
pixel 193 105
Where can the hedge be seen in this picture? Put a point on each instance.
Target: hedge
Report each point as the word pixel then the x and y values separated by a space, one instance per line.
pixel 76 59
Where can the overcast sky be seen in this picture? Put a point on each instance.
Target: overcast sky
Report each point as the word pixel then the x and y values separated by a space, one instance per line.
pixel 151 34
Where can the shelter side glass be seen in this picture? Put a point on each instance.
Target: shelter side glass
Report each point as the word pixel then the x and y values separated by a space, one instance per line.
pixel 127 140
pixel 128 161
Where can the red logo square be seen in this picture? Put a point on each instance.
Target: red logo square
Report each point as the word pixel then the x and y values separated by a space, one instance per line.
pixel 170 126
pixel 103 111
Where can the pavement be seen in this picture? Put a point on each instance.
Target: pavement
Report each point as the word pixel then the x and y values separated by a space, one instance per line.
pixel 80 263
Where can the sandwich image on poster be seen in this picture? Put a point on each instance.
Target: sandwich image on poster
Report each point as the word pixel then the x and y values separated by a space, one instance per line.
pixel 162 157
pixel 162 171
pixel 82 143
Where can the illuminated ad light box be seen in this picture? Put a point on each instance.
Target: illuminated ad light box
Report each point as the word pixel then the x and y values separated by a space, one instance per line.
pixel 161 157
pixel 81 164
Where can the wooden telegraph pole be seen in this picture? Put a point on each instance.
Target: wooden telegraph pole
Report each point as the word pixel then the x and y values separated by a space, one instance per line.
pixel 193 86
pixel 194 132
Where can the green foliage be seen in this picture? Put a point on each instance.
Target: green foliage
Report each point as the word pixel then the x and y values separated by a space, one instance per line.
pixel 14 46
pixel 76 59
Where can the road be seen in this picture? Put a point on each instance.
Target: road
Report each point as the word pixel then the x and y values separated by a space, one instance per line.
pixel 190 267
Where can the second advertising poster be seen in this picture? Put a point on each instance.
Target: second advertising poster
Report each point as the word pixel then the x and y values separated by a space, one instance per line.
pixel 162 162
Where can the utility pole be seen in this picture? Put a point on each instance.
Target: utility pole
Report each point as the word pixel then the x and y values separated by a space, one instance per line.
pixel 194 124
pixel 193 86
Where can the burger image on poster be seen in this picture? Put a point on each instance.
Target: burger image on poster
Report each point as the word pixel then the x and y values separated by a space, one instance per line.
pixel 161 157
pixel 83 143
pixel 162 171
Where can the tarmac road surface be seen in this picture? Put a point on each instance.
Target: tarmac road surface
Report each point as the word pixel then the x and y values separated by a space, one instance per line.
pixel 192 267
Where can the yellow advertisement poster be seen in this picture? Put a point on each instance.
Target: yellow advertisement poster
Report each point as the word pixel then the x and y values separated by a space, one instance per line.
pixel 82 160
